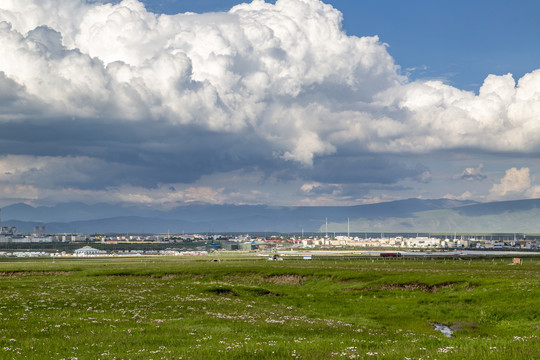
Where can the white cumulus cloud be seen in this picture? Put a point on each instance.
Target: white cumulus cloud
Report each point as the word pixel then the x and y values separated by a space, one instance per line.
pixel 285 72
pixel 516 184
pixel 500 118
pixel 232 71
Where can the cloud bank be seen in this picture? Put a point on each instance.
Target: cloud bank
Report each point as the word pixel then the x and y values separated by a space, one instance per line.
pixel 146 99
pixel 515 184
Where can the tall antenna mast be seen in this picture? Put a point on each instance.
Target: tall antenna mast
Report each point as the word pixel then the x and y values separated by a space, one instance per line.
pixel 348 229
pixel 326 227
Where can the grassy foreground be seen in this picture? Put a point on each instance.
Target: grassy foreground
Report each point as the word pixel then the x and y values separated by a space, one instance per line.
pixel 172 308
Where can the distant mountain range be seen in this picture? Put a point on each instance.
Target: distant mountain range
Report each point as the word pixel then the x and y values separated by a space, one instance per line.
pixel 411 215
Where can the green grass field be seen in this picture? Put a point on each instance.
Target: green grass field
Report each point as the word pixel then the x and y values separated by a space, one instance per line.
pixel 250 308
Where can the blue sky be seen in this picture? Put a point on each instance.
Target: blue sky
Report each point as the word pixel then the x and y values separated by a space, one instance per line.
pixel 294 102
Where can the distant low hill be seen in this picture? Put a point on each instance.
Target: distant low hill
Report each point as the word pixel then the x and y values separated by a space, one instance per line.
pixel 519 216
pixel 410 215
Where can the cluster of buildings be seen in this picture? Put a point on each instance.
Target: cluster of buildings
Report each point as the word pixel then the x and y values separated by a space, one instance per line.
pixel 88 251
pixel 24 253
pixel 10 235
pixel 419 242
pixel 394 242
pixel 246 243
pixel 214 242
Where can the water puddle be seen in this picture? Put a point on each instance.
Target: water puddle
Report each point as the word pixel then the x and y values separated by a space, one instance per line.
pixel 443 328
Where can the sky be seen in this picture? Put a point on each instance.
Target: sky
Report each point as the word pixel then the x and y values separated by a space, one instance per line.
pixel 284 103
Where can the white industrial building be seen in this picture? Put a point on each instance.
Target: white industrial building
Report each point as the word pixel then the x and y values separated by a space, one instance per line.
pixel 88 251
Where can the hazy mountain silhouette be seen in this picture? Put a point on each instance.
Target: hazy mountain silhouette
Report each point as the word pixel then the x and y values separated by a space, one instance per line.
pixel 500 207
pixel 403 215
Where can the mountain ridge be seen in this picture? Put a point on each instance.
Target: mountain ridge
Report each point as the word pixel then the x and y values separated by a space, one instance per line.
pixel 409 214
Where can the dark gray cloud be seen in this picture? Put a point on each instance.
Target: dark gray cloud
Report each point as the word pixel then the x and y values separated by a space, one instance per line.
pixel 364 169
pixel 118 153
pixel 9 90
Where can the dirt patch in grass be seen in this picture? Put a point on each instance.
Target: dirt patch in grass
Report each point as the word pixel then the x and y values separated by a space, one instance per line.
pixel 169 276
pixel 29 272
pixel 471 287
pixel 414 286
pixel 222 291
pixel 162 276
pixel 285 279
pixel 358 279
pixel 260 292
pixel 182 276
pixel 125 275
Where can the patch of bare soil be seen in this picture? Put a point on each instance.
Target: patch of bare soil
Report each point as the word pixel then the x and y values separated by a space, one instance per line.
pixel 261 292
pixel 169 276
pixel 285 279
pixel 37 272
pixel 127 275
pixel 152 275
pixel 222 291
pixel 414 286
